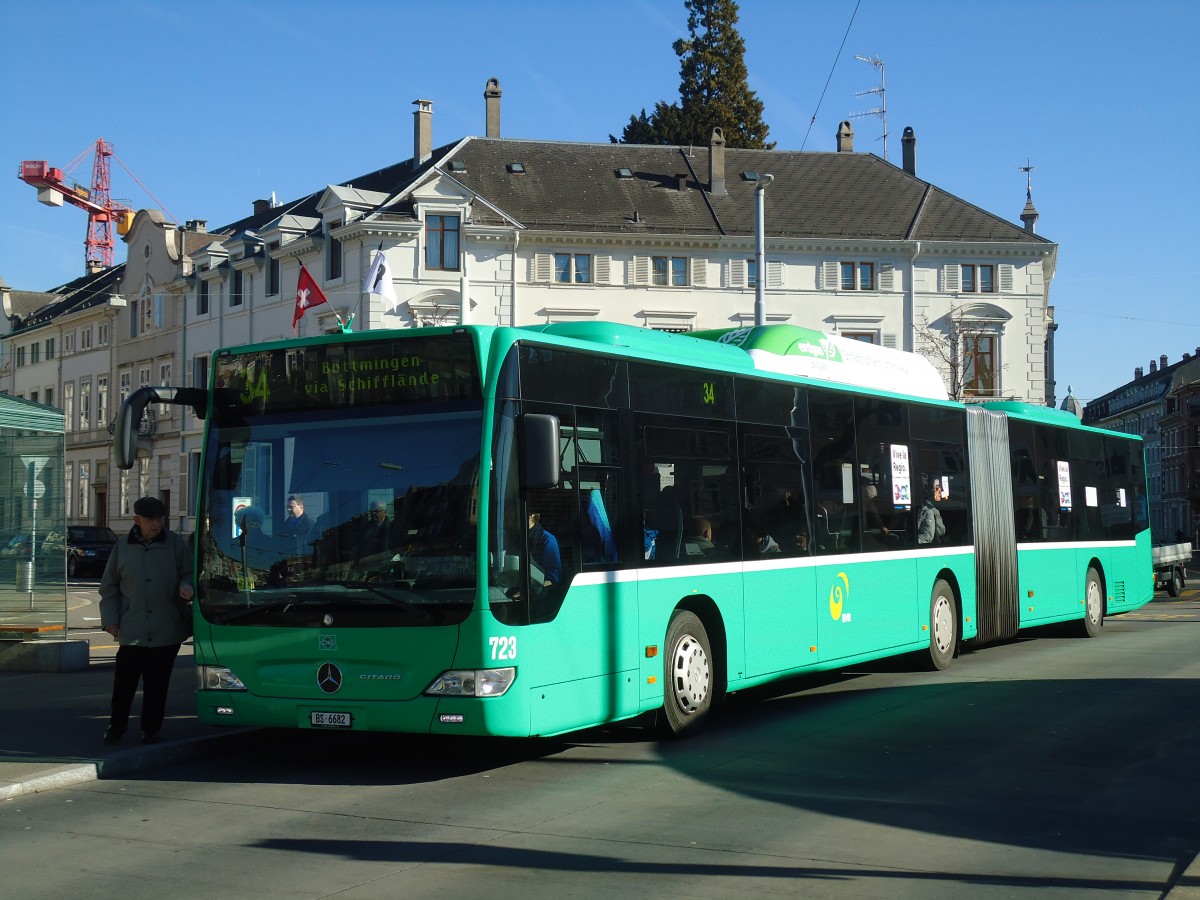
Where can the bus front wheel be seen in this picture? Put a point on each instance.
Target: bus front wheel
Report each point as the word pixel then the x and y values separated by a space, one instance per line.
pixel 943 626
pixel 688 673
pixel 1093 606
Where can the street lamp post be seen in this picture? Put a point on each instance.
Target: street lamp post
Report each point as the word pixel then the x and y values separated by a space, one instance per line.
pixel 760 253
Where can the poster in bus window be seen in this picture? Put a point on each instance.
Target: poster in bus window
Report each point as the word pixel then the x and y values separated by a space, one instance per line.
pixel 1064 484
pixel 901 483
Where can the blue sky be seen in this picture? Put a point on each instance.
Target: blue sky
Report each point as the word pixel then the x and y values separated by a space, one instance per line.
pixel 213 106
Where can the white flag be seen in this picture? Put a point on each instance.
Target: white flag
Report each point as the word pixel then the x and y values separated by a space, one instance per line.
pixel 379 280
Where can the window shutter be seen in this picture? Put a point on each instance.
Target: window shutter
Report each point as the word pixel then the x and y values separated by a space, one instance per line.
pixel 736 276
pixel 774 273
pixel 830 275
pixel 640 273
pixel 543 267
pixel 1006 278
pixel 951 279
pixel 889 341
pixel 699 273
pixel 886 277
pixel 602 269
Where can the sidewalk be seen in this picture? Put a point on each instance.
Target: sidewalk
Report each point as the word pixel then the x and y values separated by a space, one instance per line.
pixel 53 724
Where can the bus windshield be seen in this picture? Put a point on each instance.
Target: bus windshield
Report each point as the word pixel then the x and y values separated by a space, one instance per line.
pixel 362 517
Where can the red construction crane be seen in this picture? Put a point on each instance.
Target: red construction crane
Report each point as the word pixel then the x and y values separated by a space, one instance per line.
pixel 103 212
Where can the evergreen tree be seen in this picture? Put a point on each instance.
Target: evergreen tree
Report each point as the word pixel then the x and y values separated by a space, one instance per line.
pixel 713 91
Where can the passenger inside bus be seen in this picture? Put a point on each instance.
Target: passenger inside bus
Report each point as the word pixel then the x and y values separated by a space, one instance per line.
pixel 544 557
pixel 698 541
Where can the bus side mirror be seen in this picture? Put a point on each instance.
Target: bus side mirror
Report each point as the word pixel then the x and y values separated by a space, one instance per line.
pixel 539 451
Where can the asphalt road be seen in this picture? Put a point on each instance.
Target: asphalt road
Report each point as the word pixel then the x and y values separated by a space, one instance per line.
pixel 1053 766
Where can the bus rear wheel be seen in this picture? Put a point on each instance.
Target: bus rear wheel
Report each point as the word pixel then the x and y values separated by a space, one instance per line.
pixel 943 625
pixel 688 675
pixel 1093 603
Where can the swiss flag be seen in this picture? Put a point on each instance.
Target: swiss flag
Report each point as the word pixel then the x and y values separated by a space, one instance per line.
pixel 308 295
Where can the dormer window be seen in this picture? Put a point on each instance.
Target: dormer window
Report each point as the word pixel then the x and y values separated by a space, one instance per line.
pixel 333 252
pixel 441 242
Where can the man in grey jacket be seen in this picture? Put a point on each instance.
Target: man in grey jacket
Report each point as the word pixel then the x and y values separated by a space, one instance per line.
pixel 145 604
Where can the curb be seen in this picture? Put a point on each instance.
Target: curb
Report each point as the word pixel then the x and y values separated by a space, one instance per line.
pixel 67 776
pixel 133 761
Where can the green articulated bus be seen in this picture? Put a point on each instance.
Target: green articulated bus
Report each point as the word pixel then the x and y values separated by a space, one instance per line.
pixel 528 531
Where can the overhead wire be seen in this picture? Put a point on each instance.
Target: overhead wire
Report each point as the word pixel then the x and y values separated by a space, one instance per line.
pixel 836 57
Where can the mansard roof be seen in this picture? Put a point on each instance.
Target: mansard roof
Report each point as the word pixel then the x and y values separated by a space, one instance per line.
pixel 80 293
pixel 582 187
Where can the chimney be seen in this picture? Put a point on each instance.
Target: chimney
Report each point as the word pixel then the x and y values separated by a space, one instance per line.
pixel 909 145
pixel 845 137
pixel 1137 373
pixel 681 180
pixel 200 226
pixel 262 206
pixel 491 101
pixel 1153 367
pixel 716 163
pixel 422 131
pixel 1162 361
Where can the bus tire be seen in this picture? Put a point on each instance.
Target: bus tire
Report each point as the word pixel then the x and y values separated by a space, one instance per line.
pixel 1175 582
pixel 943 626
pixel 688 675
pixel 1093 603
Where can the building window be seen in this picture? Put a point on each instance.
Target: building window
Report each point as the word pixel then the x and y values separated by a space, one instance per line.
pixel 333 251
pixel 101 334
pixel 85 338
pixel 85 483
pixel 202 299
pixel 867 337
pixel 68 342
pixel 85 404
pixel 135 308
pixel 978 279
pixel 858 276
pixel 68 406
pixel 573 268
pixel 20 357
pixel 752 273
pixel 164 379
pixel 144 377
pixel 272 269
pixel 35 353
pixel 441 242
pixel 235 291
pixel 49 348
pixel 126 379
pixel 200 372
pixel 101 399
pixel 979 365
pixel 49 396
pixel 671 271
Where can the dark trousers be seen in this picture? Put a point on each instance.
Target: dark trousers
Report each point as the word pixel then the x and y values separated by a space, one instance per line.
pixel 152 666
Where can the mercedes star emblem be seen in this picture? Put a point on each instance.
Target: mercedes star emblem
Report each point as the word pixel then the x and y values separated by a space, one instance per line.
pixel 329 678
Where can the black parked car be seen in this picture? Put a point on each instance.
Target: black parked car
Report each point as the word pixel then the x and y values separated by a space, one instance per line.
pixel 88 549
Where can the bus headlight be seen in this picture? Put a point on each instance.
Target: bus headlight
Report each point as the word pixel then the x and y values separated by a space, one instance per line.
pixel 218 678
pixel 472 683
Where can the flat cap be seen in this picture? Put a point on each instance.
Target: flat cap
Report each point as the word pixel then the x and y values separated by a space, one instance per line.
pixel 149 508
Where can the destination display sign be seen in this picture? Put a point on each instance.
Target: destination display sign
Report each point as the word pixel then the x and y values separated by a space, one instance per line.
pixel 347 374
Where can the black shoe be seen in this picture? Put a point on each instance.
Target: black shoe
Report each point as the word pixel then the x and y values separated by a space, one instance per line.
pixel 150 737
pixel 112 736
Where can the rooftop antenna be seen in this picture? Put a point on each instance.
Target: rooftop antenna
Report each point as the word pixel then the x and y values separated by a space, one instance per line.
pixel 881 109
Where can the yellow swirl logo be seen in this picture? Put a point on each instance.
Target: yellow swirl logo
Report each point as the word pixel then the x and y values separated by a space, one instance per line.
pixel 838 594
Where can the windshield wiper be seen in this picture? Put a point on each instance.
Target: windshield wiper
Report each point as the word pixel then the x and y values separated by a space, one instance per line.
pixel 243 611
pixel 391 596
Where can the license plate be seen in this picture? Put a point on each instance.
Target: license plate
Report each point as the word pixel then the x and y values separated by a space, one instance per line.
pixel 330 719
